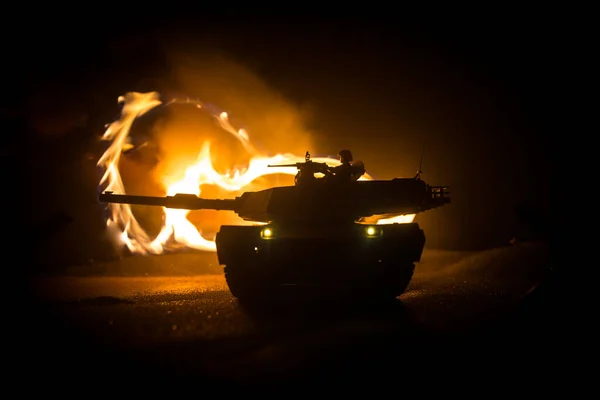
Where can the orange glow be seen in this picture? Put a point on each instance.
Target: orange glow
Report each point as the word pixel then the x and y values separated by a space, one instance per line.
pixel 190 178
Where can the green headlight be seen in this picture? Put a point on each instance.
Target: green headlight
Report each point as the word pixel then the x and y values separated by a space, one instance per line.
pixel 267 233
pixel 373 231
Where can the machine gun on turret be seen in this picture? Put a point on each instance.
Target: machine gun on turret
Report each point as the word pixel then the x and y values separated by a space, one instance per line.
pixel 306 170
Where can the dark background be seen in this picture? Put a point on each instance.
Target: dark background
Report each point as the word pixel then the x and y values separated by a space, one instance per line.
pixel 478 95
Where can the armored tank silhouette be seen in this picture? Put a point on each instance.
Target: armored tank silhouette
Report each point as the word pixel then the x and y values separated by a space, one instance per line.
pixel 314 236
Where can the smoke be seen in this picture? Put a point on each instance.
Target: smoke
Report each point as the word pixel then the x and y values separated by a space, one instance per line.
pixel 220 83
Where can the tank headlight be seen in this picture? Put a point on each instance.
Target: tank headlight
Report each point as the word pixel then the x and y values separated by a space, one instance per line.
pixel 267 233
pixel 373 231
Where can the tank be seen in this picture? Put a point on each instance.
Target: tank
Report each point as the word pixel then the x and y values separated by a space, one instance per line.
pixel 315 236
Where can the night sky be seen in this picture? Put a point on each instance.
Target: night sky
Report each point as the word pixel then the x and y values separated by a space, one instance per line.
pixel 473 96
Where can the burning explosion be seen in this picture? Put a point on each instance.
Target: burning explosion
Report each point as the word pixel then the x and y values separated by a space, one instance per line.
pixel 176 225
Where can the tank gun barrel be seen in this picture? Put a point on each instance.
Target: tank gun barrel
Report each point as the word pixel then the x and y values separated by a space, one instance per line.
pixel 180 200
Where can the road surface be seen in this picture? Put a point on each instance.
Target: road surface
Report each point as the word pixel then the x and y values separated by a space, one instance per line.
pixel 480 308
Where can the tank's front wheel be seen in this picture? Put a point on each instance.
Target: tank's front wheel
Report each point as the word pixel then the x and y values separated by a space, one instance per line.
pixel 245 283
pixel 395 280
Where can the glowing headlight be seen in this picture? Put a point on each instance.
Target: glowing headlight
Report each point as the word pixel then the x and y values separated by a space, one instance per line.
pixel 267 233
pixel 373 231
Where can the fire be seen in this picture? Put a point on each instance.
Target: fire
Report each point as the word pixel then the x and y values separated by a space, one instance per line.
pixel 176 225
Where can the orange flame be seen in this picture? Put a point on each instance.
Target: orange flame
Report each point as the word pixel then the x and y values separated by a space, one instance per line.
pixel 176 225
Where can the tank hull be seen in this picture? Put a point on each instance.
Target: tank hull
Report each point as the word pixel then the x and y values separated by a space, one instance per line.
pixel 330 259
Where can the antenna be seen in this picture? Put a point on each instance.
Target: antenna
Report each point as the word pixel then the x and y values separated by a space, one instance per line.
pixel 420 171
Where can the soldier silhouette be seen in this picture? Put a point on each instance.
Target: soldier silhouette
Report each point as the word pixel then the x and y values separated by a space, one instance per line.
pixel 348 170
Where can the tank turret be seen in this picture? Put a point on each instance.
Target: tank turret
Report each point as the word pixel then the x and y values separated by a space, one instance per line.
pixel 312 235
pixel 326 203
